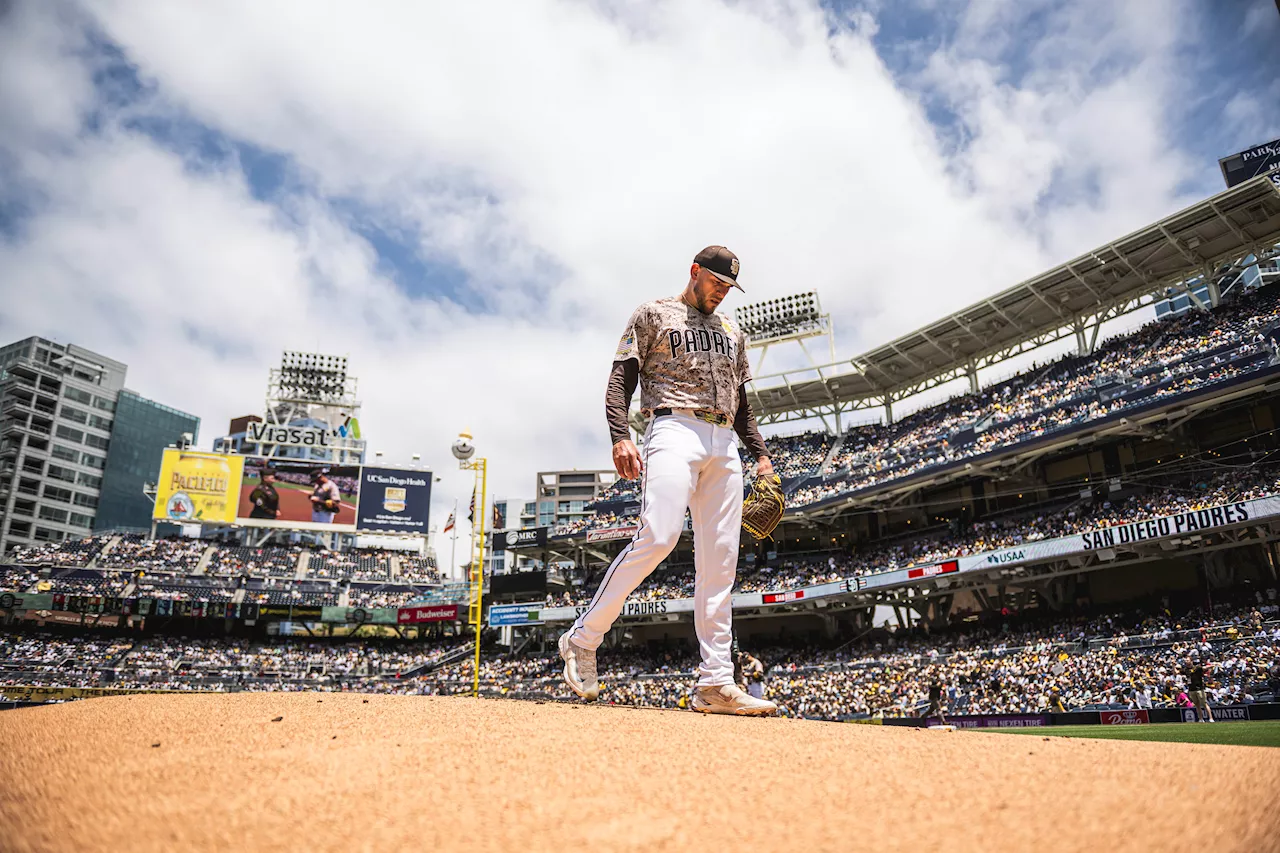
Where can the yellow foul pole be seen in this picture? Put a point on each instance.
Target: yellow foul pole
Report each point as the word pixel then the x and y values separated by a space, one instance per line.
pixel 477 567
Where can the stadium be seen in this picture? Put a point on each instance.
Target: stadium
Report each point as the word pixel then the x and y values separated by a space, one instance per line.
pixel 1049 550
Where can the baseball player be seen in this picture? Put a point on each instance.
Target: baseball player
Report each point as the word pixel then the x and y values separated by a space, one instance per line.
pixel 264 498
pixel 691 366
pixel 325 497
pixel 753 672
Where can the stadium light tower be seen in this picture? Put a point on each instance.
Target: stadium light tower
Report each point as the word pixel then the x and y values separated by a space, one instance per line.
pixel 463 450
pixel 788 318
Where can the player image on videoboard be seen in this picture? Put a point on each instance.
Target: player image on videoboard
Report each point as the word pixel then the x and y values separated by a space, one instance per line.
pixel 298 493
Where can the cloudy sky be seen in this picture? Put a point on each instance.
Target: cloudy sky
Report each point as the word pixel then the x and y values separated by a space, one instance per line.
pixel 468 199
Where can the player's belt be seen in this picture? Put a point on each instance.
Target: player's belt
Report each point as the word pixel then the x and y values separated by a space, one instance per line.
pixel 717 418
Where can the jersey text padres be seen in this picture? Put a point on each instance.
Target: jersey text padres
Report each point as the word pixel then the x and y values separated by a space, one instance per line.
pixel 688 360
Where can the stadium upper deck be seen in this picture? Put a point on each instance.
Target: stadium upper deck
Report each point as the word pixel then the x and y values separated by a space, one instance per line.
pixel 1208 240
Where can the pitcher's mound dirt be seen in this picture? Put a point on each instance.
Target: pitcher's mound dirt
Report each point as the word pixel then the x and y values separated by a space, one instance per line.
pixel 350 772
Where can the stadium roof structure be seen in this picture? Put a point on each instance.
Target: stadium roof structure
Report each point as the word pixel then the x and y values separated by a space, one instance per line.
pixel 1210 241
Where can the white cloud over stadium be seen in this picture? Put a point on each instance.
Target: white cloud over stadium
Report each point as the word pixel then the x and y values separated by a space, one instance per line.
pixel 468 199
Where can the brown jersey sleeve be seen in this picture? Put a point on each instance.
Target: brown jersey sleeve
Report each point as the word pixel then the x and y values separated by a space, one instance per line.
pixel 623 379
pixel 744 424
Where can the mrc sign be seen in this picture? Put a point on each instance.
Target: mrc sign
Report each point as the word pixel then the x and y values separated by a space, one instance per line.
pixel 301 436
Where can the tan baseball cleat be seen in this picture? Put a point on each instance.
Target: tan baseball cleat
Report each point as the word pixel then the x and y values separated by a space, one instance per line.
pixel 730 699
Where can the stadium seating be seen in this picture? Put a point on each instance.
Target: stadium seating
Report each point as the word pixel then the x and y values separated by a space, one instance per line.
pixel 1159 362
pixel 270 561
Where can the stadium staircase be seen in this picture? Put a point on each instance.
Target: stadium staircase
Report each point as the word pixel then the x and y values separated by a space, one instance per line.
pixel 831 454
pixel 394 569
pixel 344 597
pixel 304 564
pixel 430 666
pixel 202 565
pixel 106 549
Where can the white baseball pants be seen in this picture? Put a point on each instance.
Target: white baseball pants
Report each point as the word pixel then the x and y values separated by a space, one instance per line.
pixel 690 464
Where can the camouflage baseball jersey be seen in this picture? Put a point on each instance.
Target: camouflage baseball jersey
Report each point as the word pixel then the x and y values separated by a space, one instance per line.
pixel 688 360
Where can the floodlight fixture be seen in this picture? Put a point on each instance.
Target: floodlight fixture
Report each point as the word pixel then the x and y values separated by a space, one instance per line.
pixel 799 315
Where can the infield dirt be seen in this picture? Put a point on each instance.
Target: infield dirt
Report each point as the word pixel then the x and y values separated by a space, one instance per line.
pixel 351 772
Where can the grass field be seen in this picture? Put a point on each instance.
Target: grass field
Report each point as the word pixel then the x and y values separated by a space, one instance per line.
pixel 1252 733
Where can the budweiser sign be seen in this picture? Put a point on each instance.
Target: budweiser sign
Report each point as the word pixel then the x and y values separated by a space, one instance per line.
pixel 433 613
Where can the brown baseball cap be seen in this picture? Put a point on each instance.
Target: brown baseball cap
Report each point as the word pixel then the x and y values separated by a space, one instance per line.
pixel 721 263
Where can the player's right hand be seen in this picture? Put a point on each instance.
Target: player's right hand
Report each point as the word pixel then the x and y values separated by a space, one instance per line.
pixel 626 460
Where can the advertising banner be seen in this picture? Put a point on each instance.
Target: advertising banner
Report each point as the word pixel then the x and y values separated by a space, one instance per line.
pixel 930 571
pixel 783 597
pixel 198 487
pixel 608 534
pixel 984 721
pixel 1120 535
pixel 427 613
pixel 1235 713
pixel 531 538
pixel 1131 716
pixel 296 494
pixel 394 500
pixel 1258 160
pixel 514 614
pixel 291 612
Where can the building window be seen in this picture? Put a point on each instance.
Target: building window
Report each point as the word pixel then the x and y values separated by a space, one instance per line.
pixel 69 433
pixel 88 480
pixel 104 404
pixel 57 472
pixel 66 454
pixel 76 519
pixel 77 395
pixel 48 513
pixel 96 441
pixel 56 493
pixel 44 534
pixel 92 461
pixel 100 422
pixel 71 413
pixel 86 501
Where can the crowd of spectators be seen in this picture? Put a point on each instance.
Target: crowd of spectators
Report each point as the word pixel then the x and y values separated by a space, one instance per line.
pixel 381 595
pixel 1028 663
pixel 275 561
pixel 18 578
pixel 182 663
pixel 170 555
pixel 1228 486
pixel 417 569
pixel 946 542
pixel 1162 359
pixel 69 552
pixel 798 455
pixel 1135 660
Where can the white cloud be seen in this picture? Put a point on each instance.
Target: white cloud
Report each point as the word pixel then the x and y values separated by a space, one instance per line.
pixel 570 159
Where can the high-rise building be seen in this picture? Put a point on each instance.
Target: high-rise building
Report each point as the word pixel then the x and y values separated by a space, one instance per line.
pixel 58 414
pixel 143 429
pixel 564 495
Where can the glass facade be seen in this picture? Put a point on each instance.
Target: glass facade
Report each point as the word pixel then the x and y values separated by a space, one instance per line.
pixel 141 432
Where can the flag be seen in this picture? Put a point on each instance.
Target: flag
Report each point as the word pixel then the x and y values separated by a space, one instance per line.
pixel 471 513
pixel 449 524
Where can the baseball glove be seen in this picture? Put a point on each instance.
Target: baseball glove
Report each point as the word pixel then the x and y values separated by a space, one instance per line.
pixel 762 509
